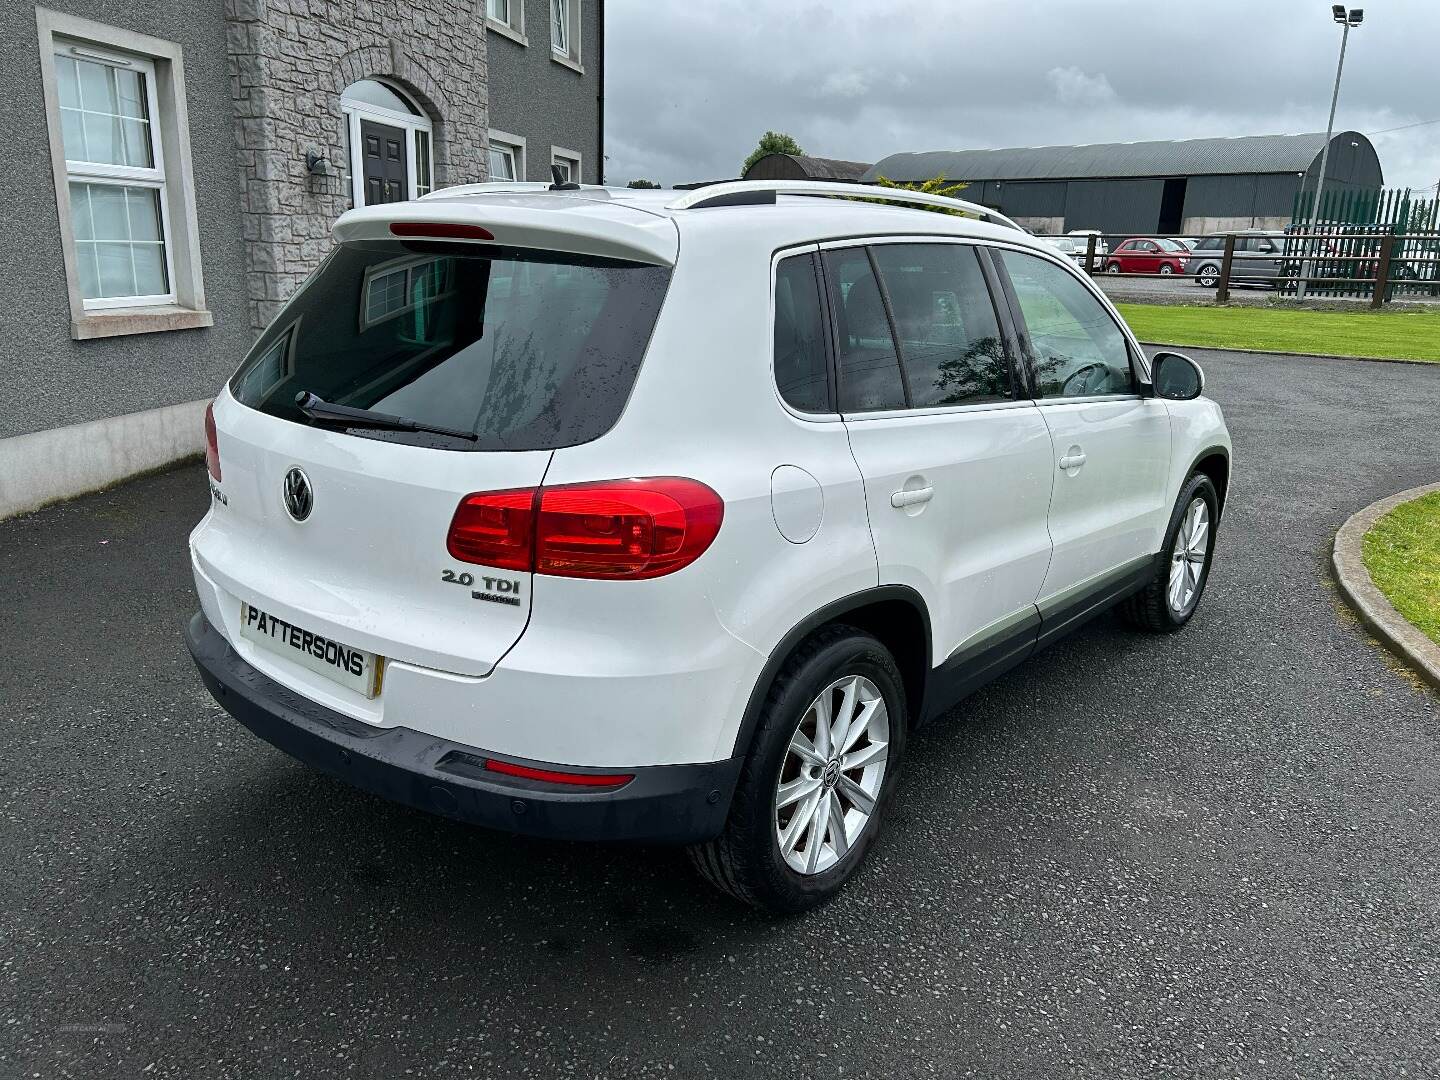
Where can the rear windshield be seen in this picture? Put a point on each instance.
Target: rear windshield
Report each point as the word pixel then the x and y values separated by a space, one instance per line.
pixel 529 350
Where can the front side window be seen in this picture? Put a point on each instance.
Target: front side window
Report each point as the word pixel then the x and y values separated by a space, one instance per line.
pixel 800 368
pixel 115 177
pixel 529 350
pixel 870 375
pixel 950 345
pixel 1076 348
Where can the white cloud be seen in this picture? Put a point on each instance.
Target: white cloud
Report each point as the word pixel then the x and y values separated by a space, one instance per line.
pixel 1074 87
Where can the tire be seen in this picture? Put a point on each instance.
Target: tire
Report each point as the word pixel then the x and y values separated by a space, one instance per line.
pixel 1167 269
pixel 1112 268
pixel 1153 607
pixel 746 860
pixel 1208 276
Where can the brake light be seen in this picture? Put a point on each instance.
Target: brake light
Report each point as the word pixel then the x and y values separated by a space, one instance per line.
pixel 618 529
pixel 495 528
pixel 552 776
pixel 212 445
pixel 440 230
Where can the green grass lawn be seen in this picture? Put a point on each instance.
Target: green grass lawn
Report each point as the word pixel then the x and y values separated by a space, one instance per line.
pixel 1390 334
pixel 1402 553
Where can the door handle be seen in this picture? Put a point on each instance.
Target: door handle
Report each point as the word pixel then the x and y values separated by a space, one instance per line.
pixel 911 497
pixel 1073 460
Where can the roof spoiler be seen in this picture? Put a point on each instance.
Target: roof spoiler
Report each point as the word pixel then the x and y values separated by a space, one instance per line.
pixel 751 192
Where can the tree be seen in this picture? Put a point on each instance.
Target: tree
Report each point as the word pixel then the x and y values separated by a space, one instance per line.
pixel 936 185
pixel 772 142
pixel 642 184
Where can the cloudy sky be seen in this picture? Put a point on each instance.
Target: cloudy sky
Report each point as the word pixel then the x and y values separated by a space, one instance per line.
pixel 691 85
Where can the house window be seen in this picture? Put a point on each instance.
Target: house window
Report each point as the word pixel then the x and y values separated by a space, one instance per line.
pixel 568 162
pixel 119 144
pixel 115 176
pixel 507 156
pixel 507 17
pixel 391 156
pixel 565 32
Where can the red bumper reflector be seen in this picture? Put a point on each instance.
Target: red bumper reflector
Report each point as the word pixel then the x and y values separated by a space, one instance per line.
pixel 551 776
pixel 440 230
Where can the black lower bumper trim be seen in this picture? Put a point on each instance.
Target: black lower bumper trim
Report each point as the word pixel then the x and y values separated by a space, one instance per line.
pixel 675 804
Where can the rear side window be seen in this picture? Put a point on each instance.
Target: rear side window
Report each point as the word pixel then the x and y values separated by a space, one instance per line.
pixel 530 350
pixel 800 364
pixel 949 338
pixel 1210 243
pixel 869 369
pixel 1076 348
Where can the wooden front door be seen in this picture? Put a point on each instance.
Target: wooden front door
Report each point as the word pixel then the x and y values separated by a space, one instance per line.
pixel 383 158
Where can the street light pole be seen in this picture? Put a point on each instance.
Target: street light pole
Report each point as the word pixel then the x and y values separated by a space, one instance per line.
pixel 1346 19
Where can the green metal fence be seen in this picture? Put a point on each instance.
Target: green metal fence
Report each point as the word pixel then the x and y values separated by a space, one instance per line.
pixel 1356 226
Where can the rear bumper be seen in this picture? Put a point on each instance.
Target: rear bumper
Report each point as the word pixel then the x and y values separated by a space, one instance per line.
pixel 675 804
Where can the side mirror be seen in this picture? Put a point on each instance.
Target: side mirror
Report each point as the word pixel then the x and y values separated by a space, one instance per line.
pixel 1176 377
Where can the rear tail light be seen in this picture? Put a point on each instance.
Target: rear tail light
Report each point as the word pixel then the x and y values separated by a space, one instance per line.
pixel 212 446
pixel 620 529
pixel 495 528
pixel 554 776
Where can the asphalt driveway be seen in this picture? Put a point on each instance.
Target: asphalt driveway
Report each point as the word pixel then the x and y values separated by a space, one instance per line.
pixel 1216 854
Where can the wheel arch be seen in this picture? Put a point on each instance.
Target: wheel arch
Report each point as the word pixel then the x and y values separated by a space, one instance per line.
pixel 895 614
pixel 1214 462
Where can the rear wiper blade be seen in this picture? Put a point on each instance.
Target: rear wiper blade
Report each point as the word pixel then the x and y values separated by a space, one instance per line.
pixel 318 409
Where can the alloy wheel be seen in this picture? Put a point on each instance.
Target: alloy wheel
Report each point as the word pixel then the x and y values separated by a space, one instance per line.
pixel 1187 557
pixel 831 776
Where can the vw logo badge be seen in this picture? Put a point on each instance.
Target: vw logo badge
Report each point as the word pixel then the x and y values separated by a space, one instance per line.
pixel 299 499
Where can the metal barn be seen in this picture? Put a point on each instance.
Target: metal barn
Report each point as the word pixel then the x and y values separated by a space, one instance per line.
pixel 1187 187
pixel 805 167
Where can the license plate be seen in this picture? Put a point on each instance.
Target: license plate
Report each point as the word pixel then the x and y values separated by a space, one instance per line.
pixel 352 668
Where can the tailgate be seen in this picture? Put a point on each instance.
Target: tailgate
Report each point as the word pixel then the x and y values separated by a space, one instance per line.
pixel 369 565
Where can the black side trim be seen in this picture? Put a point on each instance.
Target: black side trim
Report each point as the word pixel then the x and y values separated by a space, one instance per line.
pixel 829 613
pixel 1068 615
pixel 971 668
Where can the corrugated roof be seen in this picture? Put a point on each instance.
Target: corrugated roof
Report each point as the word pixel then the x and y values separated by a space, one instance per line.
pixel 1183 157
pixel 824 168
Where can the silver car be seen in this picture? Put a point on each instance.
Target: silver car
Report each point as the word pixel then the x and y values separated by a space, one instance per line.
pixel 1259 259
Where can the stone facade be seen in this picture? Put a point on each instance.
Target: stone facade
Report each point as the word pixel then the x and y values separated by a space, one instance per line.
pixel 289 62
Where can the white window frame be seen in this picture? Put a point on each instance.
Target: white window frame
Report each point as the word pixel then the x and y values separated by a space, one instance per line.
pixel 171 175
pixel 559 155
pixel 515 144
pixel 125 176
pixel 514 29
pixel 568 51
pixel 356 111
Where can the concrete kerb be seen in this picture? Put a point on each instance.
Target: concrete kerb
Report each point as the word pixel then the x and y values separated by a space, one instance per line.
pixel 1370 604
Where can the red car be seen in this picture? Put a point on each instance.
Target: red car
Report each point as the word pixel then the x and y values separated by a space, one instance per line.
pixel 1147 255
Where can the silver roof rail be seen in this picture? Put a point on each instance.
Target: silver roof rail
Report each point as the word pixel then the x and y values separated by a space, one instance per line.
pixel 743 192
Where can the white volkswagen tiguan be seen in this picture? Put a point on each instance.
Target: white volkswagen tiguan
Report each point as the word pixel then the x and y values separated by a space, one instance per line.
pixel 641 515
